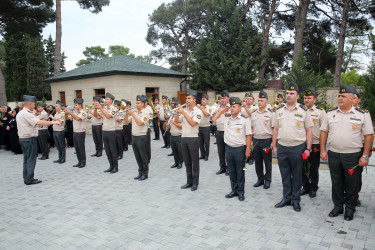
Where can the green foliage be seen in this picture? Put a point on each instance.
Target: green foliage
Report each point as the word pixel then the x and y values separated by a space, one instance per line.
pixel 92 54
pixel 368 95
pixel 49 45
pixel 95 6
pixel 120 50
pixel 352 78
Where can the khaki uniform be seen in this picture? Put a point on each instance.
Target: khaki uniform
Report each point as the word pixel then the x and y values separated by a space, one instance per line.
pixel 109 137
pixel 95 121
pixel 235 130
pixel 148 138
pixel 176 143
pixel 220 141
pixel 97 132
pixel 79 135
pixel 136 129
pixel 155 122
pixel 26 124
pixel 165 134
pixel 252 108
pixel 119 133
pixel 43 135
pixel 80 126
pixel 187 130
pixel 262 123
pixel 110 124
pixel 61 117
pixel 44 117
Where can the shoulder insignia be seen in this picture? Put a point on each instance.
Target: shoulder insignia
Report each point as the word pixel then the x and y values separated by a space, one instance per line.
pixel 281 106
pixel 303 107
pixel 319 108
pixel 244 116
pixel 198 116
pixel 331 109
pixel 270 110
pixel 145 119
pixel 113 112
pixel 362 110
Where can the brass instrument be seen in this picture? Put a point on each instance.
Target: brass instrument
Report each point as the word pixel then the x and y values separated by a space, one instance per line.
pixel 276 104
pixel 168 112
pixel 150 102
pixel 123 104
pixel 167 125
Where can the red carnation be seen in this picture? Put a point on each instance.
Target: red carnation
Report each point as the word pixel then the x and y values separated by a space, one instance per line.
pixel 304 156
pixel 350 171
pixel 315 150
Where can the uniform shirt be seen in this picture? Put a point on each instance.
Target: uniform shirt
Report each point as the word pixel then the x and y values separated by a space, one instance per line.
pixel 235 130
pixel 317 115
pixel 157 108
pixel 95 121
pixel 205 120
pixel 26 124
pixel 109 124
pixel 187 130
pixel 79 126
pixel 219 122
pixel 119 115
pixel 262 123
pixel 176 131
pixel 60 115
pixel 136 129
pixel 44 117
pixel 292 125
pixel 345 130
pixel 150 115
pixel 162 112
pixel 252 108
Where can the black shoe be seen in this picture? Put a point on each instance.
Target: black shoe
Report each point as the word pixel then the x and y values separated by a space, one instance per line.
pixel 304 191
pixel 241 197
pixel 206 158
pixel 137 177
pixel 155 139
pixel 99 154
pixel 94 155
pixel 358 204
pixel 57 161
pixel 77 165
pixel 201 158
pixel 171 154
pixel 62 161
pixel 283 203
pixel 165 146
pixel 267 185
pixel 231 195
pixel 179 166
pixel 221 171
pixel 312 194
pixel 43 158
pixel 174 165
pixel 125 149
pixel 296 206
pixel 168 146
pixel 142 178
pixel 194 187
pixel 186 186
pixel 259 183
pixel 335 212
pixel 119 157
pixel 82 165
pixel 251 161
pixel 348 215
pixel 113 171
pixel 227 172
pixel 35 181
pixel 108 170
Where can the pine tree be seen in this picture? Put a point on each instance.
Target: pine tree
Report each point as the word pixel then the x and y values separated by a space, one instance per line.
pixel 49 45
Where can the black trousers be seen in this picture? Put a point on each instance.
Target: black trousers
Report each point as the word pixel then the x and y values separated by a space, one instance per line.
pixel 109 140
pixel 127 131
pixel 262 157
pixel 291 164
pixel 148 144
pixel 119 143
pixel 43 142
pixel 59 138
pixel 235 159
pixel 221 149
pixel 140 153
pixel 166 135
pixel 30 152
pixel 97 136
pixel 79 145
pixel 176 149
pixel 204 141
pixel 156 127
pixel 345 187
pixel 310 175
pixel 190 155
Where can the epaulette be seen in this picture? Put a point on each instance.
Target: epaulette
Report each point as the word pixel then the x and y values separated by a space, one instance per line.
pixel 282 105
pixel 331 109
pixel 303 107
pixel 227 115
pixel 271 110
pixel 319 108
pixel 244 116
pixel 362 110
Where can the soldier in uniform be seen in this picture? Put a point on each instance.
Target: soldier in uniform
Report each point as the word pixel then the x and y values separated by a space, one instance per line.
pixel 79 131
pixel 27 124
pixel 150 112
pixel 119 118
pixel 59 131
pixel 344 127
pixel 292 136
pixel 139 120
pixel 237 138
pixel 248 106
pixel 190 120
pixel 155 119
pixel 96 127
pixel 310 174
pixel 42 131
pixel 204 128
pixel 163 119
pixel 127 129
pixel 176 132
pixel 280 99
pixel 262 123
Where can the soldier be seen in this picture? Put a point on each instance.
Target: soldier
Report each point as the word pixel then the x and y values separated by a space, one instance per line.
pixel 59 131
pixel 42 131
pixel 127 130
pixel 79 131
pixel 164 117
pixel 292 132
pixel 344 127
pixel 204 128
pixel 310 174
pixel 237 137
pixel 280 99
pixel 262 122
pixel 139 120
pixel 155 120
pixel 27 124
pixel 190 120
pixel 96 127
pixel 150 112
pixel 248 105
pixel 119 118
pixel 176 132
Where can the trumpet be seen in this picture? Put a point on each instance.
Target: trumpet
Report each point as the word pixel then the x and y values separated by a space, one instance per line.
pixel 276 104
pixel 125 110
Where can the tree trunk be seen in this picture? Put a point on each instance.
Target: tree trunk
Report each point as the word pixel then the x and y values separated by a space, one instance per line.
pixel 57 60
pixel 184 59
pixel 3 94
pixel 340 49
pixel 266 33
pixel 300 27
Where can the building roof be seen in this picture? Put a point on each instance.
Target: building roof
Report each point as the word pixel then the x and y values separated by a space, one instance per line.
pixel 116 65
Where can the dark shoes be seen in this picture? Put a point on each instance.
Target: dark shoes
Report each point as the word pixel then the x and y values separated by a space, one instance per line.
pixel 221 171
pixel 241 197
pixel 43 158
pixel 137 177
pixel 304 191
pixel 358 204
pixel 35 181
pixel 94 155
pixel 179 166
pixel 57 161
pixel 165 146
pixel 283 203
pixel 77 165
pixel 348 215
pixel 335 212
pixel 142 178
pixel 201 158
pixel 174 165
pixel 186 186
pixel 231 195
pixel 194 187
pixel 119 157
pixel 82 165
pixel 108 170
pixel 156 139
pixel 206 158
pixel 168 146
pixel 267 185
pixel 113 171
pixel 312 194
pixel 171 154
pixel 296 206
pixel 62 161
pixel 258 184
pixel 99 154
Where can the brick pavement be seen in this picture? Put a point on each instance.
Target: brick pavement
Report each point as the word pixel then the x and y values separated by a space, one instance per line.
pixel 88 209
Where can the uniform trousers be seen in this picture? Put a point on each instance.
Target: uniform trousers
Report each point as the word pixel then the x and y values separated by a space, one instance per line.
pixel 140 153
pixel 235 159
pixel 59 138
pixel 166 135
pixel 345 187
pixel 97 137
pixel 148 148
pixel 43 142
pixel 155 122
pixel 190 155
pixel 262 157
pixel 221 149
pixel 176 149
pixel 79 145
pixel 110 147
pixel 291 164
pixel 310 175
pixel 30 151
pixel 204 141
pixel 127 129
pixel 119 143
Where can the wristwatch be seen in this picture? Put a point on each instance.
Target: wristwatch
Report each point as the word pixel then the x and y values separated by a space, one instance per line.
pixel 309 149
pixel 365 156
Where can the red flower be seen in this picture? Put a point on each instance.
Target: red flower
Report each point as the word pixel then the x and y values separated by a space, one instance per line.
pixel 315 150
pixel 373 149
pixel 267 150
pixel 350 171
pixel 304 156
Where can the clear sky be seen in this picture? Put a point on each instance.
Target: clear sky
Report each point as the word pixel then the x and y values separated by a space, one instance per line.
pixel 123 22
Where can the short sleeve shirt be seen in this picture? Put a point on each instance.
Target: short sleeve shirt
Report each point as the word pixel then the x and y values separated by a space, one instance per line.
pixel 317 115
pixel 95 121
pixel 176 131
pixel 205 121
pixel 262 123
pixel 60 116
pixel 136 129
pixel 236 130
pixel 109 124
pixel 219 122
pixel 26 124
pixel 44 117
pixel 187 130
pixel 119 115
pixel 80 125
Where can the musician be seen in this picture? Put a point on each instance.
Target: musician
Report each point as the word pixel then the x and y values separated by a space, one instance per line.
pixel 59 131
pixel 139 120
pixel 127 129
pixel 190 120
pixel 79 131
pixel 173 102
pixel 150 112
pixel 119 127
pixel 163 119
pixel 96 127
pixel 204 128
pixel 176 132
pixel 155 120
pixel 42 131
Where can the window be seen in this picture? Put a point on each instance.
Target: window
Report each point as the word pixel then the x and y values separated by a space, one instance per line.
pixel 153 92
pixel 78 93
pixel 62 97
pixel 100 93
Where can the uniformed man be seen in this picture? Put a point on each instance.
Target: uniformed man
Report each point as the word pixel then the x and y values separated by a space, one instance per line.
pixel 176 132
pixel 139 120
pixel 344 127
pixel 280 99
pixel 127 130
pixel 96 127
pixel 27 124
pixel 119 118
pixel 43 131
pixel 173 102
pixel 150 112
pixel 248 105
pixel 262 124
pixel 79 131
pixel 292 137
pixel 155 120
pixel 310 174
pixel 237 138
pixel 164 117
pixel 109 132
pixel 204 128
pixel 59 131
pixel 190 120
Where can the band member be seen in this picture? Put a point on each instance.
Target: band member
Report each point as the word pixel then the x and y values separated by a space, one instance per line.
pixel 176 132
pixel 150 115
pixel 155 120
pixel 127 130
pixel 79 131
pixel 248 106
pixel 262 122
pixel 139 120
pixel 164 117
pixel 310 174
pixel 204 128
pixel 59 131
pixel 237 137
pixel 190 120
pixel 280 99
pixel 348 152
pixel 27 124
pixel 96 127
pixel 173 102
pixel 292 132
pixel 119 127
pixel 42 131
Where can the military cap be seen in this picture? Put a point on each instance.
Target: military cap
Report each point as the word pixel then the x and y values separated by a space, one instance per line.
pixel 191 92
pixel 345 88
pixel 310 92
pixel 225 93
pixel 174 99
pixel 177 103
pixel 109 95
pixel 292 86
pixel 144 98
pixel 78 100
pixel 42 104
pixel 263 94
pixel 205 96
pixel 248 95
pixel 164 97
pixel 235 100
pixel 357 94
pixel 60 103
pixel 128 103
pixel 96 98
pixel 29 98
pixel 156 98
pixel 118 102
pixel 280 96
pixel 123 100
